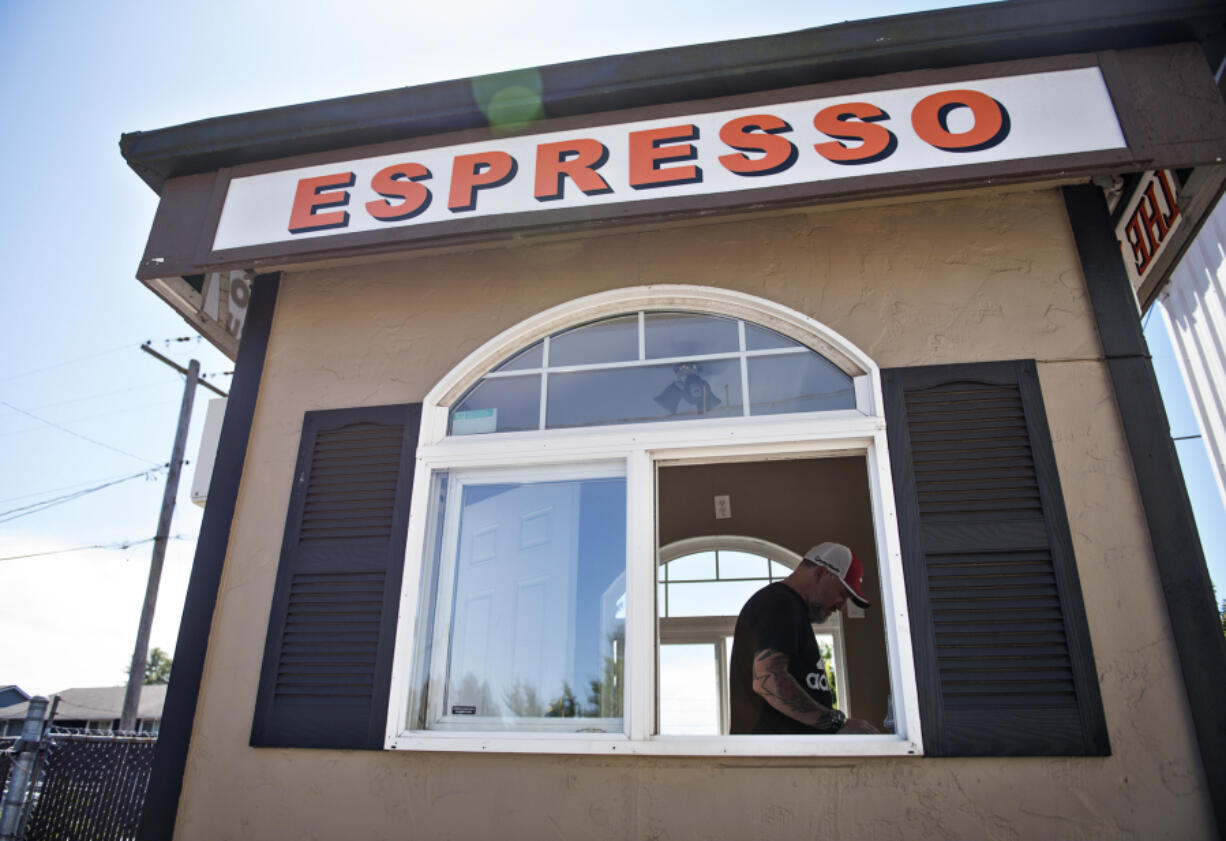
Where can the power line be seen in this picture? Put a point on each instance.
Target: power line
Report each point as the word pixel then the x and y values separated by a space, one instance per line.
pixel 43 505
pixel 195 378
pixel 73 486
pixel 82 418
pixel 101 394
pixel 101 353
pixel 77 434
pixel 75 359
pixel 121 545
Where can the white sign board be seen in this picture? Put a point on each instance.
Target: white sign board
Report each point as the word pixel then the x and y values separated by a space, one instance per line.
pixel 210 437
pixel 1149 219
pixel 774 145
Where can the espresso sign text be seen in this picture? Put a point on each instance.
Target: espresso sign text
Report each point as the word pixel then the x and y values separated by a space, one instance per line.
pixel 775 145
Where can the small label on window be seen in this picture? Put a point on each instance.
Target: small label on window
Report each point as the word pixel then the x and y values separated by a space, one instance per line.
pixel 463 710
pixel 474 422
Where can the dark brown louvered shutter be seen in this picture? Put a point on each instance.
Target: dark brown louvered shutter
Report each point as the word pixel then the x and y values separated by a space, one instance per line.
pixel 328 657
pixel 1002 650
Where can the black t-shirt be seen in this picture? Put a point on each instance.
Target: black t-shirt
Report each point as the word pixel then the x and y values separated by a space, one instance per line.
pixel 774 617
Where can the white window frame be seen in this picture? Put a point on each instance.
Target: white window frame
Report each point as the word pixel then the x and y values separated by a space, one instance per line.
pixel 643 448
pixel 441 642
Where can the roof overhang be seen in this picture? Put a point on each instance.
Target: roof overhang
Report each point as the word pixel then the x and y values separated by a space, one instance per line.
pixel 1156 61
pixel 991 32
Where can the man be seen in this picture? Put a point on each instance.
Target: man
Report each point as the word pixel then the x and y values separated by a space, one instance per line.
pixel 778 681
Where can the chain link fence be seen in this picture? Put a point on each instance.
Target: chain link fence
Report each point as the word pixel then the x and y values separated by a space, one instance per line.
pixel 87 787
pixel 6 762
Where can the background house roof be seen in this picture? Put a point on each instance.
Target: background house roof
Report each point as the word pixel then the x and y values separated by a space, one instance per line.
pixel 12 694
pixel 942 38
pixel 97 702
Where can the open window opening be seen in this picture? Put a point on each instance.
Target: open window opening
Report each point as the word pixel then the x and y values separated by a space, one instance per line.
pixel 778 509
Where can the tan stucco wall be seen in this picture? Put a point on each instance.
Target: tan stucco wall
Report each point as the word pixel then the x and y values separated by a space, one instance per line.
pixel 980 277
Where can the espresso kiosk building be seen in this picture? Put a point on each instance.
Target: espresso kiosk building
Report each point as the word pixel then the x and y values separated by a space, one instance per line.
pixel 541 374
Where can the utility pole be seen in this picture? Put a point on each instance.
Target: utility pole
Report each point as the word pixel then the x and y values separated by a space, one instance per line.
pixel 136 675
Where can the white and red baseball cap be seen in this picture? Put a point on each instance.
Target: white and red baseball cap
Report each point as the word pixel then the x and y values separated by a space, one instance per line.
pixel 842 562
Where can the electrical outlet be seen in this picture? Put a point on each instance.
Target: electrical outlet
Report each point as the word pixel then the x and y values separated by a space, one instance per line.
pixel 723 507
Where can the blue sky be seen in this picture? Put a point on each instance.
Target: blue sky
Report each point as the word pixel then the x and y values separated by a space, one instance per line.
pixel 1207 504
pixel 73 77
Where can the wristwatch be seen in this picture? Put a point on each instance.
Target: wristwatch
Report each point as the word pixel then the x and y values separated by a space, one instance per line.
pixel 831 722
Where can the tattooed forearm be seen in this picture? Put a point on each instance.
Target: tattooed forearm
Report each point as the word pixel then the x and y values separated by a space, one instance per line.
pixel 776 685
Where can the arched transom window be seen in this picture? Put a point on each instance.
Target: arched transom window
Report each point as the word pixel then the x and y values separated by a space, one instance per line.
pixel 652 366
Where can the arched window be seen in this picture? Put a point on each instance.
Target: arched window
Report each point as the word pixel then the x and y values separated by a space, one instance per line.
pixel 652 366
pixel 540 612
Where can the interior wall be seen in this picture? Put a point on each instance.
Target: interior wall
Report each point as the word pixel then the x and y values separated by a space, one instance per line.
pixel 795 504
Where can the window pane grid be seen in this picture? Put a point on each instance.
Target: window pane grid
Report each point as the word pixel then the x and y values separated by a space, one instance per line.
pixel 740 333
pixel 667 581
pixel 700 384
pixel 544 383
pixel 667 577
pixel 638 363
pixel 762 578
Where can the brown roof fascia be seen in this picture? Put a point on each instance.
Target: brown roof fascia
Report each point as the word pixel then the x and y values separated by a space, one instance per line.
pixel 942 38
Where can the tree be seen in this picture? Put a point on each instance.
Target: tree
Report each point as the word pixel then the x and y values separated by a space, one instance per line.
pixel 604 695
pixel 477 694
pixel 157 667
pixel 827 651
pixel 1223 615
pixel 522 700
pixel 564 706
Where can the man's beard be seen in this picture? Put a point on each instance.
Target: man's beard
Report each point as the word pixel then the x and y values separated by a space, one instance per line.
pixel 818 613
